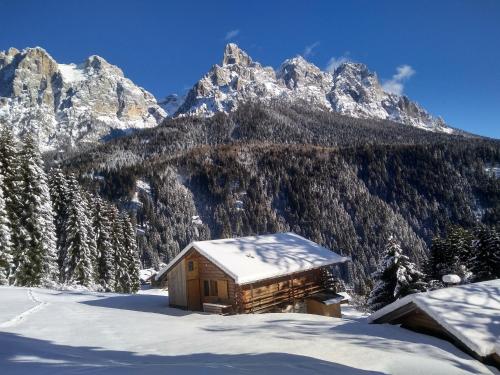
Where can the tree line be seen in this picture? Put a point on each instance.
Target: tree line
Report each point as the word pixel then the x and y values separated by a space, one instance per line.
pixel 53 232
pixel 472 255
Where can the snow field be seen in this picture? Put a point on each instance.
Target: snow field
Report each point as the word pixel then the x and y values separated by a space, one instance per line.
pixel 78 332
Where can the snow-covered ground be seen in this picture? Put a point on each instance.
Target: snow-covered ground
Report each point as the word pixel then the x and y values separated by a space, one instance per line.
pixel 69 332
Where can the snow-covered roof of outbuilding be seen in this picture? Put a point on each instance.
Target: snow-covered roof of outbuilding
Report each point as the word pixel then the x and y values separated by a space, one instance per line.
pixel 254 258
pixel 470 313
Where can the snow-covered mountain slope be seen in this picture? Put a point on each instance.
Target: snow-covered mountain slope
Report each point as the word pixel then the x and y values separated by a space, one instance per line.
pixel 351 90
pixel 171 103
pixel 65 332
pixel 68 104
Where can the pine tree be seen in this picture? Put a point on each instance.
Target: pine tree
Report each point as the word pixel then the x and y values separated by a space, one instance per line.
pixel 6 260
pixel 436 265
pixel 459 248
pixel 59 194
pixel 396 277
pixel 451 255
pixel 90 234
pixel 131 282
pixel 119 256
pixel 9 169
pixel 460 240
pixel 104 245
pixel 78 266
pixel 35 258
pixel 485 262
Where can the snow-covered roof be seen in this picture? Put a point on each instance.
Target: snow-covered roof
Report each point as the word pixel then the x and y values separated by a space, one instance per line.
pixel 249 259
pixel 146 274
pixel 471 313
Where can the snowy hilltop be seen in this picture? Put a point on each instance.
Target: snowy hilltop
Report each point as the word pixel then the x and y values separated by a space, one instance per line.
pixel 68 104
pixel 350 90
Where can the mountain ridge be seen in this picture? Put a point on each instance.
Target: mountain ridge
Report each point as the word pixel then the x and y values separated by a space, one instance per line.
pixel 350 90
pixel 71 104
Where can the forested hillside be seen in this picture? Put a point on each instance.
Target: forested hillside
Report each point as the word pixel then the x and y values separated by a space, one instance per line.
pixel 345 183
pixel 54 233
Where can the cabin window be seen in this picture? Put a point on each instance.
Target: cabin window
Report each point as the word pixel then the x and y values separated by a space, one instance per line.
pixel 213 288
pixel 190 266
pixel 210 288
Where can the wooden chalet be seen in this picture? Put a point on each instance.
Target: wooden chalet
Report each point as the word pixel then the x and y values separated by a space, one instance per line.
pixel 251 274
pixel 466 315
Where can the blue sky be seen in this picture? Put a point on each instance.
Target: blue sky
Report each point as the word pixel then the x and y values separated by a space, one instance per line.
pixel 451 49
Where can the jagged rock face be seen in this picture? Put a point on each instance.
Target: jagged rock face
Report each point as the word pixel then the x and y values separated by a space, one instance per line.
pixel 305 81
pixel 351 90
pixel 357 92
pixel 239 79
pixel 234 55
pixel 68 104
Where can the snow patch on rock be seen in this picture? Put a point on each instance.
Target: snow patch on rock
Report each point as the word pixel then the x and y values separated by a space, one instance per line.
pixel 71 73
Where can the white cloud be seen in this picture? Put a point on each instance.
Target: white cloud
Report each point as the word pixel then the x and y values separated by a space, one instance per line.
pixel 309 50
pixel 335 62
pixel 404 72
pixel 231 34
pixel 395 85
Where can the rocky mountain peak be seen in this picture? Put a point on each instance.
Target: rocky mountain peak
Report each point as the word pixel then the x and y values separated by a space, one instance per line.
pixel 34 60
pixel 357 74
pixel 351 90
pixel 235 55
pixel 96 64
pixel 297 71
pixel 223 87
pixel 65 104
pixel 354 68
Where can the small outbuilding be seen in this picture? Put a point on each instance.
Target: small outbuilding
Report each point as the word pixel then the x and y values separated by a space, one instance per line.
pixel 467 315
pixel 249 274
pixel 326 303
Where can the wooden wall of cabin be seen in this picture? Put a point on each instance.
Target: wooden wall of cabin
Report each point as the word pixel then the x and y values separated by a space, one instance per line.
pixel 271 294
pixel 177 293
pixel 207 271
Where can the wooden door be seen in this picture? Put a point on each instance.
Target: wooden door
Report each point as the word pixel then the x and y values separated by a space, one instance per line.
pixel 194 297
pixel 222 290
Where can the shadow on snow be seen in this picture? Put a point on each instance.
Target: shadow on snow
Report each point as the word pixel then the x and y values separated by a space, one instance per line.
pixel 23 355
pixel 384 337
pixel 156 304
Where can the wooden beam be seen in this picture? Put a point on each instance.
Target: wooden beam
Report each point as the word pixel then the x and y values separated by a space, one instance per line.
pixel 251 292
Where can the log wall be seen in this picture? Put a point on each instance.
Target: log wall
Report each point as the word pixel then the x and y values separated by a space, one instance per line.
pixel 269 295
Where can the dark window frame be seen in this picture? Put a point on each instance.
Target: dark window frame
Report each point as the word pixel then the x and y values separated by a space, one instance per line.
pixel 206 288
pixel 210 288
